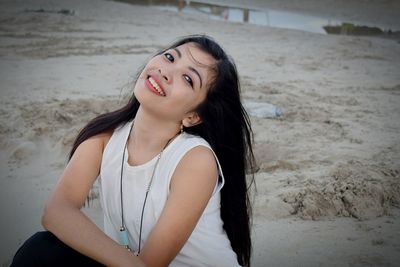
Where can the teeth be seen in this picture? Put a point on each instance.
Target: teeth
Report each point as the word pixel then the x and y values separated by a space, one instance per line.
pixel 156 86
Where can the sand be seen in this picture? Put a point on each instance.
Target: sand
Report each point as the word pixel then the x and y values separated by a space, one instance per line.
pixel 328 189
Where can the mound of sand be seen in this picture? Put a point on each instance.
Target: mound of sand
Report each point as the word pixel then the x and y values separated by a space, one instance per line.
pixel 351 189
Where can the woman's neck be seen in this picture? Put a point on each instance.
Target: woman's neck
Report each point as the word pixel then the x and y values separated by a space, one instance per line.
pixel 151 133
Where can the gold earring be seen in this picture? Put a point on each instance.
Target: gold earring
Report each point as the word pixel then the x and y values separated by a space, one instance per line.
pixel 182 128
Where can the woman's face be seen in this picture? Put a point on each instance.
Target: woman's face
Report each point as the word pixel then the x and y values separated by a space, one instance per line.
pixel 175 82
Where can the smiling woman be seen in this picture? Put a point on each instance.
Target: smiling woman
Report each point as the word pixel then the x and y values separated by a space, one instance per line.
pixel 172 171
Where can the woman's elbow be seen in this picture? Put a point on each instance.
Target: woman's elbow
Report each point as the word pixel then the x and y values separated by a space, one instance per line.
pixel 46 217
pixel 51 213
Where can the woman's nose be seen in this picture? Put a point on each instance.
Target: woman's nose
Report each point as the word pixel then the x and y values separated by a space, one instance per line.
pixel 165 75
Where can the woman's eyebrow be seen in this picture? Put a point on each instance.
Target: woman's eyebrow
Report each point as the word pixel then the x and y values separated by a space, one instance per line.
pixel 190 68
pixel 178 52
pixel 198 74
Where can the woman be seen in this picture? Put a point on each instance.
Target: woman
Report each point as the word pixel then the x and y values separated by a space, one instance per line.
pixel 171 166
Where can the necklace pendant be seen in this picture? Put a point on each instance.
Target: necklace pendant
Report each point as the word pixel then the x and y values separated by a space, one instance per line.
pixel 124 237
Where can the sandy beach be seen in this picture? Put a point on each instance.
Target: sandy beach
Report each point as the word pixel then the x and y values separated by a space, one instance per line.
pixel 328 180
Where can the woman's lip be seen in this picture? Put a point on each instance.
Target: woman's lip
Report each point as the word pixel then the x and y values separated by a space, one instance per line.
pixel 157 81
pixel 150 86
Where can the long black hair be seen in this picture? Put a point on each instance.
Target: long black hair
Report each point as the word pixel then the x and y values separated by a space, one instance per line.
pixel 225 126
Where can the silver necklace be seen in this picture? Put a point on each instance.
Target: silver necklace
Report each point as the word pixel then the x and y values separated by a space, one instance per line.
pixel 122 230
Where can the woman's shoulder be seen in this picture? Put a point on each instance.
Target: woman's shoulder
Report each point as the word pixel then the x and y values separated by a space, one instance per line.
pixel 193 150
pixel 102 138
pixel 200 150
pixel 194 146
pixel 189 147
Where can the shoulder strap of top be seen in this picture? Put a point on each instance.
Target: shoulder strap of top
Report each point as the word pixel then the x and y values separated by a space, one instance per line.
pixel 116 144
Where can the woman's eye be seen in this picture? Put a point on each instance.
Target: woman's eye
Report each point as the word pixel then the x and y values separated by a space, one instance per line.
pixel 188 79
pixel 169 57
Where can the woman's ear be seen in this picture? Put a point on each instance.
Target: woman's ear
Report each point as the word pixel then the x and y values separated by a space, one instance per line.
pixel 191 119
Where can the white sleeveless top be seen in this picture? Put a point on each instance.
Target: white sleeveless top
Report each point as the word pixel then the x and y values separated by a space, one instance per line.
pixel 208 245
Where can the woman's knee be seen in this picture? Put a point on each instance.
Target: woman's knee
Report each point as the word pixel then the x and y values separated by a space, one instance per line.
pixel 45 249
pixel 30 252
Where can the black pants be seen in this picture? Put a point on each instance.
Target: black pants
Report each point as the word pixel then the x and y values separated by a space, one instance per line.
pixel 45 249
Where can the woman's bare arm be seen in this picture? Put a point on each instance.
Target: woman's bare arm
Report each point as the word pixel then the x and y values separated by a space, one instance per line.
pixel 192 185
pixel 63 217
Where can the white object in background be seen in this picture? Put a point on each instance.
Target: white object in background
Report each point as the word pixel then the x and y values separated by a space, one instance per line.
pixel 262 110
